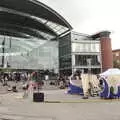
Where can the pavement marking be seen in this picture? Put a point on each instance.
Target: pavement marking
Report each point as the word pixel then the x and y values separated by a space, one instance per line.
pixel 22 118
pixel 52 101
pixel 85 101
pixel 19 97
pixel 7 116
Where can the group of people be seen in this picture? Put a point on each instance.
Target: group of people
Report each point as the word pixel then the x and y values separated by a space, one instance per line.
pixel 10 79
pixel 33 81
pixel 62 81
pixel 86 84
pixel 13 76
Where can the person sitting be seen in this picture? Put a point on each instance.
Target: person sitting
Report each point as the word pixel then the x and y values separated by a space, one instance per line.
pixel 61 82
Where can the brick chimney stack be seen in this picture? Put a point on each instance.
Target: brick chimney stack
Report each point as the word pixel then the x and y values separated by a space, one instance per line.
pixel 106 50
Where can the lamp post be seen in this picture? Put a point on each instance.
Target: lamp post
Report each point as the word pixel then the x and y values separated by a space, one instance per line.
pixel 89 75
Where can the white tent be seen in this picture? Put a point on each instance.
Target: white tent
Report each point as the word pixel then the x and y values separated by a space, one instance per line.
pixel 112 71
pixel 112 77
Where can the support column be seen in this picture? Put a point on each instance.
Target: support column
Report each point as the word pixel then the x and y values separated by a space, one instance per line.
pixel 3 51
pixel 73 63
pixel 106 51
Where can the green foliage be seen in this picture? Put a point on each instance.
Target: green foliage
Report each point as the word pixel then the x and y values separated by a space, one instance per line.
pixel 112 89
pixel 116 64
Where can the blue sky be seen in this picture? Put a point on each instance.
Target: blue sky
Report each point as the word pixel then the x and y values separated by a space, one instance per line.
pixel 90 16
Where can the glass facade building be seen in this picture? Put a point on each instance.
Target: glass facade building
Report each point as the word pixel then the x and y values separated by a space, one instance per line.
pixel 29 54
pixel 34 36
pixel 71 52
pixel 79 52
pixel 28 33
pixel 65 61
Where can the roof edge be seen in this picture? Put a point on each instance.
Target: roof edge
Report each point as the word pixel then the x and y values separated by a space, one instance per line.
pixel 52 11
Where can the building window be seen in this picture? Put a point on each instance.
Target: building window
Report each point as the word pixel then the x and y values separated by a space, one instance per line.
pixel 118 61
pixel 117 54
pixel 82 60
pixel 85 47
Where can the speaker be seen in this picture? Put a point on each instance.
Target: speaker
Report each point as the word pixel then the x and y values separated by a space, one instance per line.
pixel 38 97
pixel 14 89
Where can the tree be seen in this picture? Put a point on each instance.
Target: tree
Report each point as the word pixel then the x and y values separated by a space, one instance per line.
pixel 116 63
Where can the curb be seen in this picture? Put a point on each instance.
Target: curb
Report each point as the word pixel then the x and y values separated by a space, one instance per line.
pixel 86 101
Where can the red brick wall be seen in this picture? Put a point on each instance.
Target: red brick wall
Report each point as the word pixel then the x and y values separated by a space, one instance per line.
pixel 106 53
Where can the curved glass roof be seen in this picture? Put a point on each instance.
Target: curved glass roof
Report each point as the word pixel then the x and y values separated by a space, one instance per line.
pixel 26 25
pixel 30 18
pixel 26 29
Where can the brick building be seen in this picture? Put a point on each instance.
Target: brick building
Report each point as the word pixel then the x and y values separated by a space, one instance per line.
pixel 116 57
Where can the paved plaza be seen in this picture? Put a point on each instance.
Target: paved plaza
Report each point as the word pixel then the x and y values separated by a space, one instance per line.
pixel 58 106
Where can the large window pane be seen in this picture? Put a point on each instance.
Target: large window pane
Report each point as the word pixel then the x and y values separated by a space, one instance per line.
pixel 82 60
pixel 85 47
